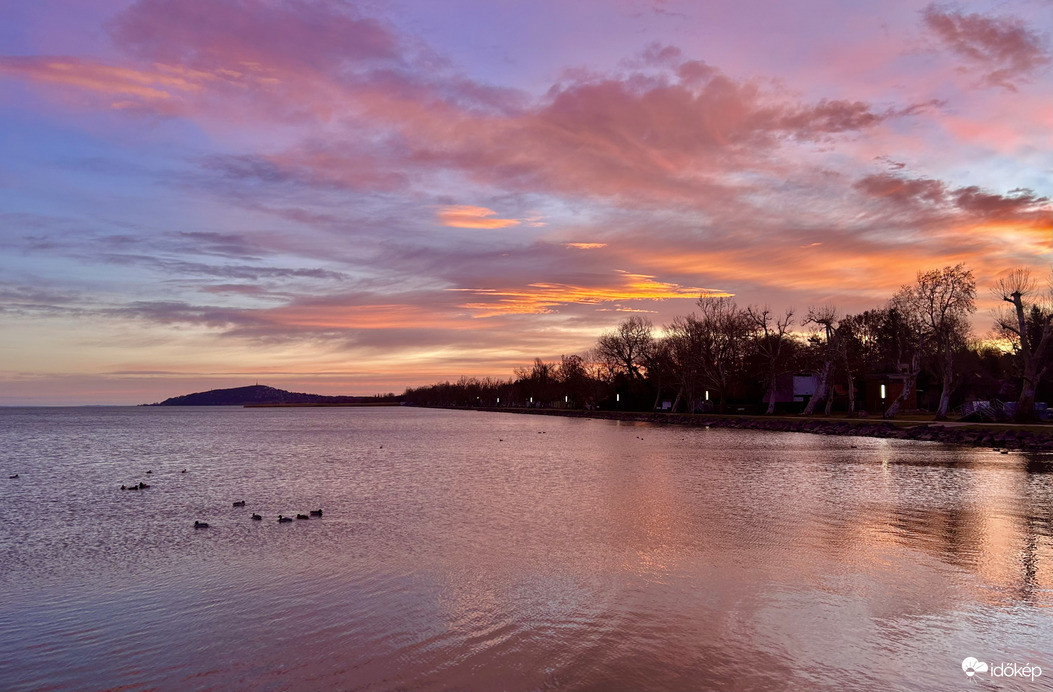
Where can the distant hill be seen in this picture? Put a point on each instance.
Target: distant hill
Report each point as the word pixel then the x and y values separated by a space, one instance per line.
pixel 256 394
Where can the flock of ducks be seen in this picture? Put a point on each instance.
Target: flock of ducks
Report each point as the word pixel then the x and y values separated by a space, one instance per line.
pixel 282 519
pixel 239 503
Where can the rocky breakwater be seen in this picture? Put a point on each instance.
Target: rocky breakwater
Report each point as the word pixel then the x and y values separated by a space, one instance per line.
pixel 1035 438
pixel 1000 437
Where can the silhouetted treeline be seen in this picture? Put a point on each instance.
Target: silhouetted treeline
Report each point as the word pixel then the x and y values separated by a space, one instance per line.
pixel 916 352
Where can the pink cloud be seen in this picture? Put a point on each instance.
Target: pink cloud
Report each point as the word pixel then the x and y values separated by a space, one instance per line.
pixel 902 191
pixel 235 61
pixel 321 36
pixel 163 89
pixel 1002 46
pixel 397 117
pixel 1019 205
pixel 941 204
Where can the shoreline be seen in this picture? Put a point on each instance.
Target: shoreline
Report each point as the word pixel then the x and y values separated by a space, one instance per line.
pixel 1025 437
pixel 320 404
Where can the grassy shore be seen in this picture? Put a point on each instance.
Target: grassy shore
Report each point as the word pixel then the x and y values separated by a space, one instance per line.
pixel 1031 437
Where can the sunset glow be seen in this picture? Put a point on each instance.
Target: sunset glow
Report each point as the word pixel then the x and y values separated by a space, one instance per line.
pixel 350 198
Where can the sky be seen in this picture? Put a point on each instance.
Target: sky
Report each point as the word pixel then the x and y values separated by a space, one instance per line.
pixel 353 198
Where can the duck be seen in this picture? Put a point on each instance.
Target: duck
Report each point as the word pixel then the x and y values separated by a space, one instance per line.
pixel 302 516
pixel 316 512
pixel 143 486
pixel 239 503
pixel 14 476
pixel 256 517
pixel 183 471
pixel 200 525
pixel 282 520
pixel 149 471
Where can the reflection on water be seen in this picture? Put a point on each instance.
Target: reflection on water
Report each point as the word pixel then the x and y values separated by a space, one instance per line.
pixel 477 551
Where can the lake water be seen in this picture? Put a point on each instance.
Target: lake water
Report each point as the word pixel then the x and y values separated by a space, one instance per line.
pixel 485 551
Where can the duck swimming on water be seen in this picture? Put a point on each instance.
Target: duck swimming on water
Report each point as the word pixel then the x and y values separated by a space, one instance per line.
pixel 316 512
pixel 256 517
pixel 302 516
pixel 282 520
pixel 200 525
pixel 239 503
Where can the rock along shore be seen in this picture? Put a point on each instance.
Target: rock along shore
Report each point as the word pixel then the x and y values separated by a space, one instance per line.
pixel 1036 438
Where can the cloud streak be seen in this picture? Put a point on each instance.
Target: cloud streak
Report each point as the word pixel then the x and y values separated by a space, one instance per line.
pixel 539 298
pixel 1003 47
pixel 466 216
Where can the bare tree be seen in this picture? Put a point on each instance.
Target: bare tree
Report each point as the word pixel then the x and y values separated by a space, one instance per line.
pixel 906 328
pixel 660 368
pixel 573 378
pixel 945 298
pixel 859 347
pixel 719 333
pixel 935 313
pixel 769 339
pixel 1020 290
pixel 627 347
pixel 825 318
pixel 685 347
pixel 538 380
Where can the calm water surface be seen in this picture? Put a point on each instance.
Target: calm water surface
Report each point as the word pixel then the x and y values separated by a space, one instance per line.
pixel 481 551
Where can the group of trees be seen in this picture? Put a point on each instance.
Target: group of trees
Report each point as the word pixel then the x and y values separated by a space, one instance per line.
pixel 726 354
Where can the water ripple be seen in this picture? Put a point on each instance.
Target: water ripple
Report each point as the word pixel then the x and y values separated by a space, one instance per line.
pixel 594 556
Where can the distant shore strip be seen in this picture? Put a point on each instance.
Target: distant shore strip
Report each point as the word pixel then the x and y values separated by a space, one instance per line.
pixel 322 405
pixel 1035 438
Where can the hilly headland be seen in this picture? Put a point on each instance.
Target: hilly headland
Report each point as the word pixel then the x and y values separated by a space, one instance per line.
pixel 262 395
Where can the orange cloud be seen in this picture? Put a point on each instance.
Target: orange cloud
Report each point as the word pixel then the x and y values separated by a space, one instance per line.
pixel 854 266
pixel 467 216
pixel 585 246
pixel 539 298
pixel 161 83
